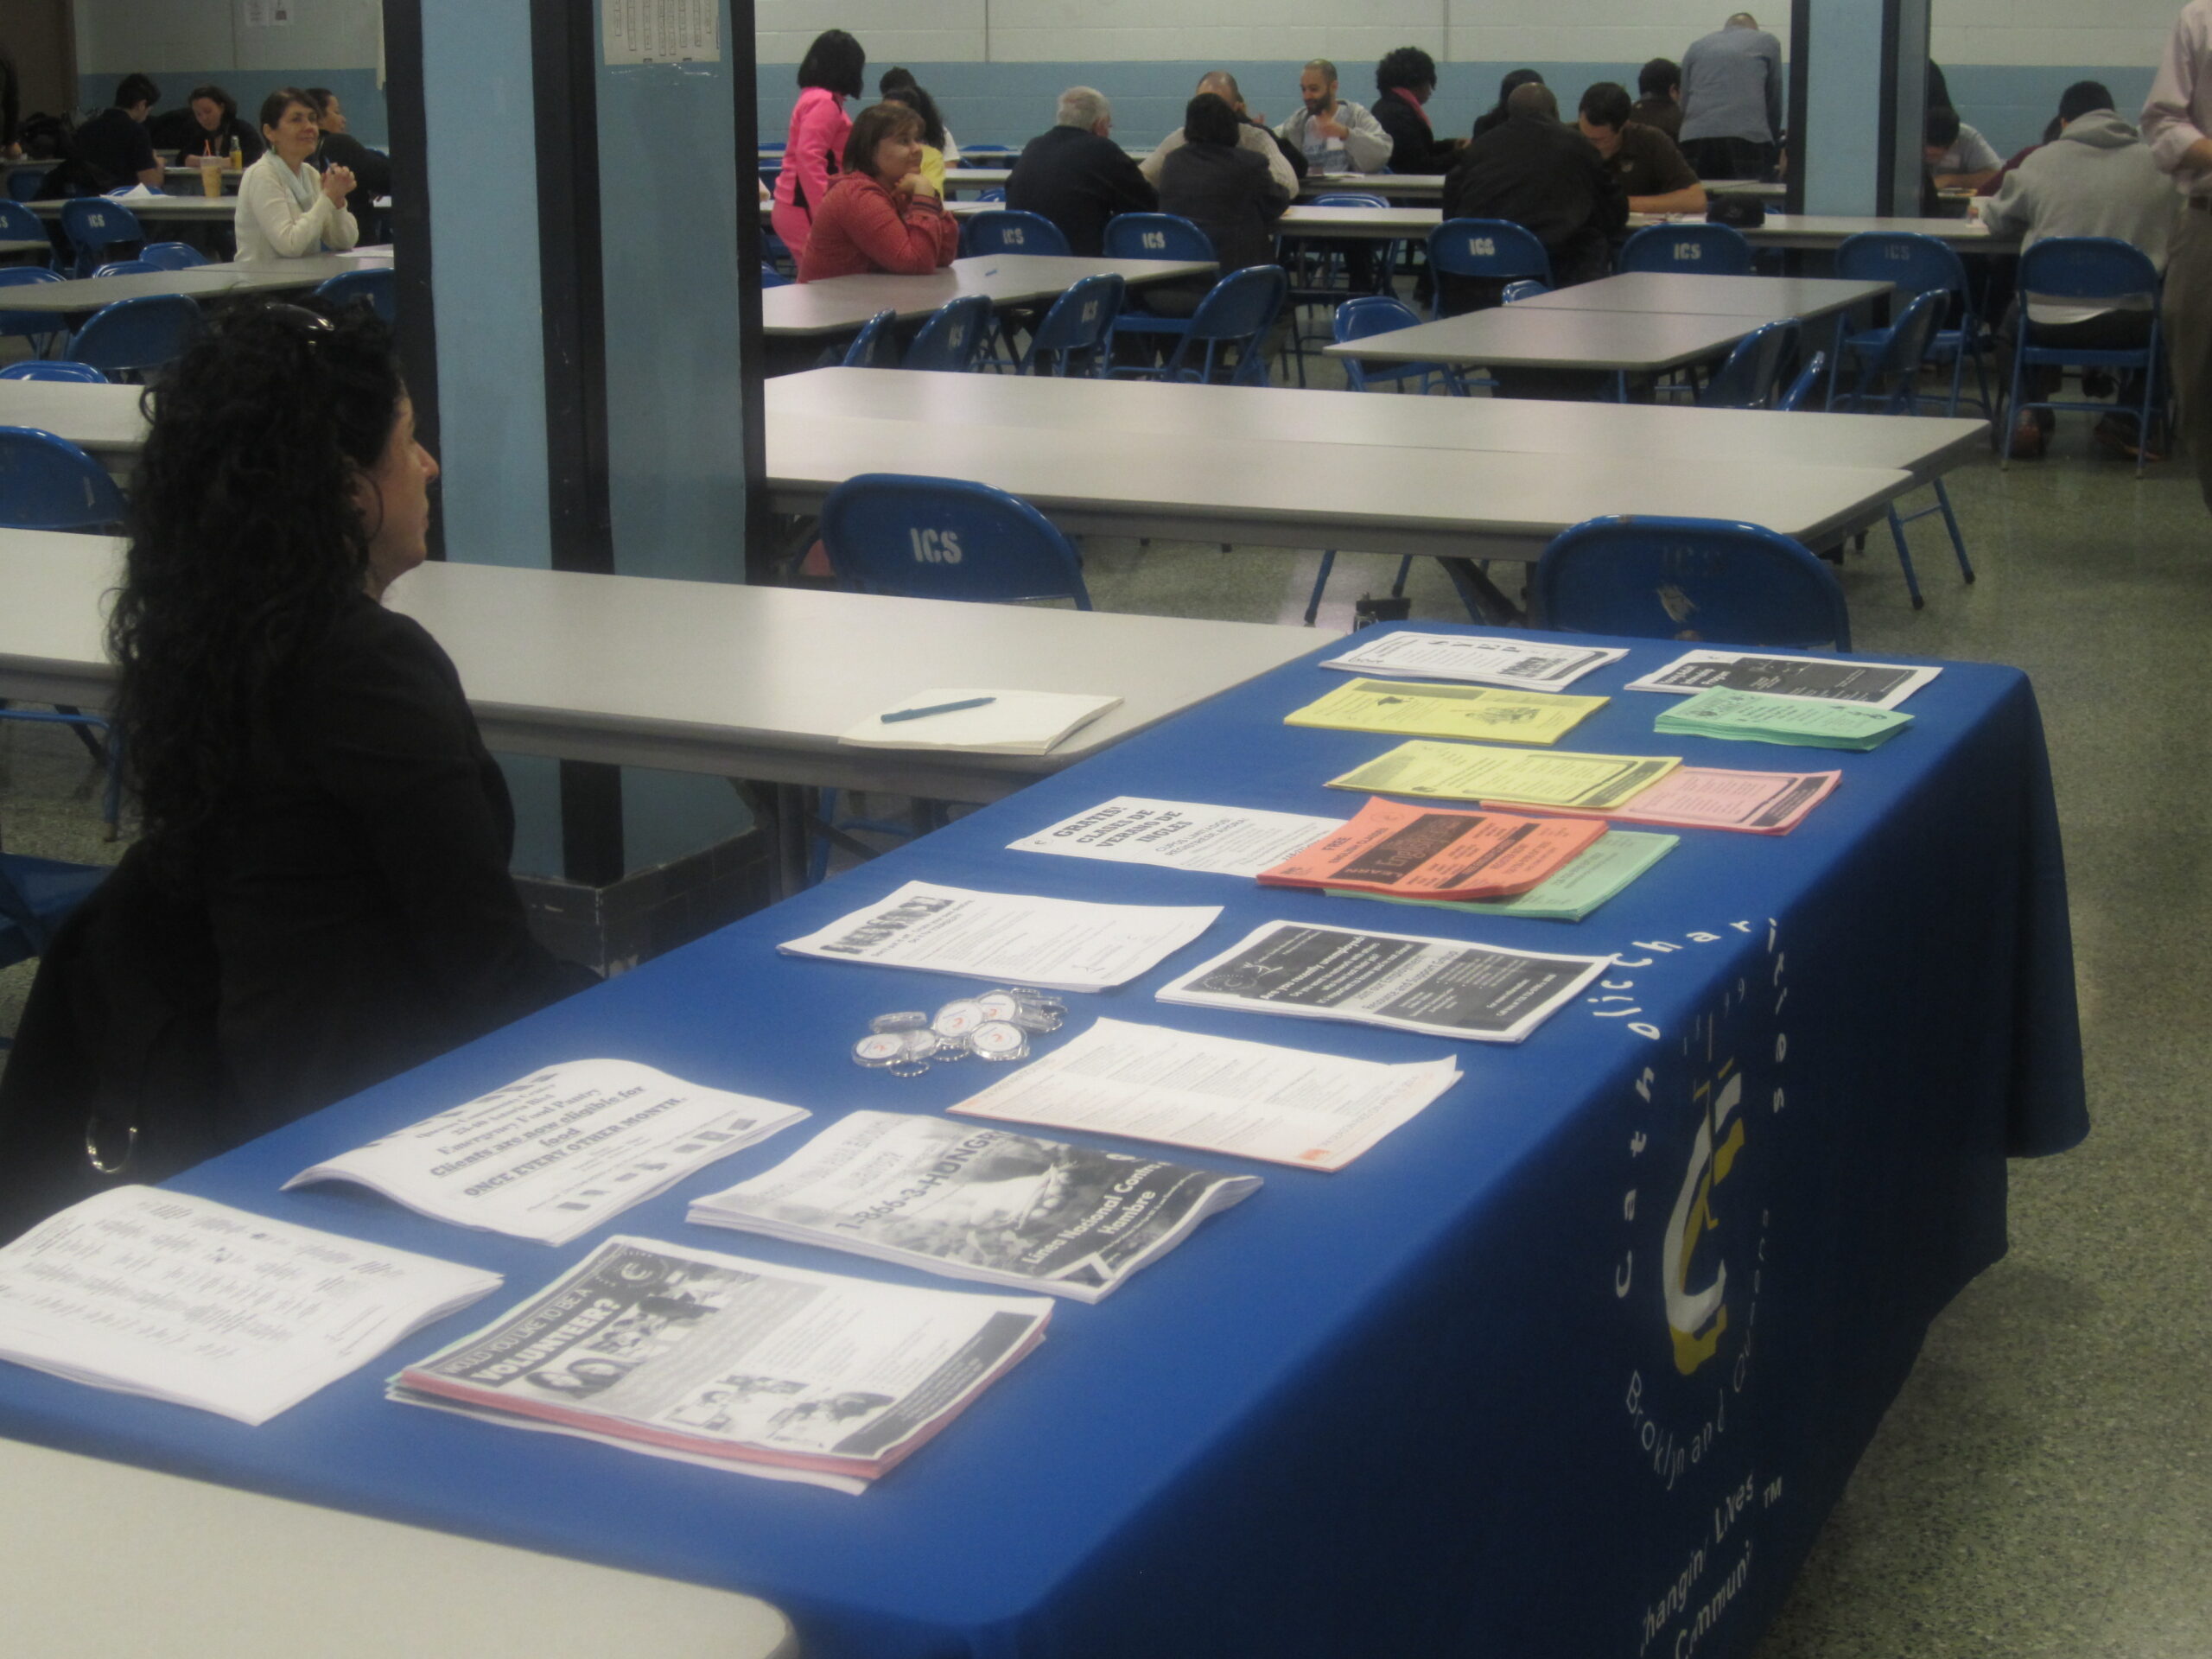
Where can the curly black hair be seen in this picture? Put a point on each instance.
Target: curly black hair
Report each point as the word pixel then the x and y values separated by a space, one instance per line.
pixel 1405 65
pixel 245 544
pixel 917 99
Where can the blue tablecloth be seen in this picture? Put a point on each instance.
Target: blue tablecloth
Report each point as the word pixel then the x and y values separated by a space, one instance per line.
pixel 1463 1396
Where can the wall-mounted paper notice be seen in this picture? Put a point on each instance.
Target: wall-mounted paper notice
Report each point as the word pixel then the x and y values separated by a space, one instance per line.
pixel 268 14
pixel 662 31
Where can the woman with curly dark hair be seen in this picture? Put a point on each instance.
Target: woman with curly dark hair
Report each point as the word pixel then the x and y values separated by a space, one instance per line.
pixel 1404 82
pixel 319 898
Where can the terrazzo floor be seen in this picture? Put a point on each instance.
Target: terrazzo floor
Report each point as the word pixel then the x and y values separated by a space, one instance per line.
pixel 2043 1486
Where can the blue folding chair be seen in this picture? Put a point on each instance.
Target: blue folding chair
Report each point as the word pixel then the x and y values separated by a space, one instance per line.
pixel 1914 263
pixel 1236 315
pixel 955 338
pixel 37 895
pixel 37 326
pixel 380 288
pixel 137 336
pixel 1705 579
pixel 1527 288
pixel 1009 230
pixel 1153 235
pixel 1377 314
pixel 127 268
pixel 93 225
pixel 173 256
pixel 997 193
pixel 2103 269
pixel 1080 322
pixel 1320 273
pixel 771 277
pixel 876 346
pixel 19 224
pixel 1799 394
pixel 48 483
pixel 91 730
pixel 1698 249
pixel 35 370
pixel 28 184
pixel 1494 248
pixel 1752 374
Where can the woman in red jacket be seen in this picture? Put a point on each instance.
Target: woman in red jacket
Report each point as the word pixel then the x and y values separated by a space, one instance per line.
pixel 882 215
pixel 830 74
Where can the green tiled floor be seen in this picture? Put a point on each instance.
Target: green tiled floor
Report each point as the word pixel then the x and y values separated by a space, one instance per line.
pixel 2044 1486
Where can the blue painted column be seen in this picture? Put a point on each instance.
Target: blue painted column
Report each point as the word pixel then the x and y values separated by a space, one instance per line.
pixel 1865 86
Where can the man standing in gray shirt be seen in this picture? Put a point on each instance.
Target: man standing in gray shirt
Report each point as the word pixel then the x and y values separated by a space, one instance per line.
pixel 2178 121
pixel 1731 101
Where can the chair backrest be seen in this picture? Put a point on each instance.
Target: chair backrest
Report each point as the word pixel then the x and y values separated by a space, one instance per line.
pixel 1800 395
pixel 1488 247
pixel 27 183
pixel 27 322
pixel 1705 579
pixel 131 336
pixel 876 346
pixel 1239 310
pixel 1900 357
pixel 1752 374
pixel 771 277
pixel 996 193
pixel 2086 267
pixel 40 369
pixel 173 256
pixel 1349 199
pixel 954 339
pixel 92 223
pixel 946 538
pixel 1080 320
pixel 1156 236
pixel 1527 288
pixel 48 483
pixel 1007 229
pixel 17 222
pixel 380 288
pixel 1908 261
pixel 1702 250
pixel 128 267
pixel 1372 314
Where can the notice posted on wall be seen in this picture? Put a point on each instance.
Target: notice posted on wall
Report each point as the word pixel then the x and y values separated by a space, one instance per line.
pixel 268 14
pixel 662 31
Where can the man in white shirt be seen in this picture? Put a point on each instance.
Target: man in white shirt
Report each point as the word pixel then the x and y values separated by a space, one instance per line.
pixel 1250 136
pixel 1957 157
pixel 1334 134
pixel 2177 122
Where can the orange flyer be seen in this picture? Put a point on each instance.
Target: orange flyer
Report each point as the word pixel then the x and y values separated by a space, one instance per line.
pixel 1434 853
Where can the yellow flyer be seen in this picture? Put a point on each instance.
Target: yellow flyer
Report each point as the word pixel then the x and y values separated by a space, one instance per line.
pixel 1469 771
pixel 1464 711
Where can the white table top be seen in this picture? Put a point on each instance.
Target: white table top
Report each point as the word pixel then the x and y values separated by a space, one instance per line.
pixel 200 282
pixel 1379 224
pixel 839 304
pixel 213 209
pixel 1428 187
pixel 104 1558
pixel 1826 230
pixel 1766 299
pixel 1751 440
pixel 702 676
pixel 1308 491
pixel 10 246
pixel 1522 336
pixel 105 420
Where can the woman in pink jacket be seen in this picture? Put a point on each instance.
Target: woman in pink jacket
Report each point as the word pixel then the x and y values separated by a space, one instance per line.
pixel 831 73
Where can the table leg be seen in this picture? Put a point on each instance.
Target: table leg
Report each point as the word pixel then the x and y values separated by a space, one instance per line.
pixel 1486 600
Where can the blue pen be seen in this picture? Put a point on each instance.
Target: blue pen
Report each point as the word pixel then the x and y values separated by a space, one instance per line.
pixel 937 709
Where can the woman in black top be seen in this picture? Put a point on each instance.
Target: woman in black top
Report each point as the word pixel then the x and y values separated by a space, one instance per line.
pixel 319 898
pixel 1404 81
pixel 1494 115
pixel 1227 191
pixel 208 125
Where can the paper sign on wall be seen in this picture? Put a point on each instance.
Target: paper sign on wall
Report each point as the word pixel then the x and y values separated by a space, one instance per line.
pixel 268 14
pixel 662 31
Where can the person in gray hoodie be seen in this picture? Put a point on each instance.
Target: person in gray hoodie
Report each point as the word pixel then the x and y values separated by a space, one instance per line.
pixel 2097 178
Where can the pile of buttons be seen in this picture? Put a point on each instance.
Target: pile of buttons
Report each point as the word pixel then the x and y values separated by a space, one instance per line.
pixel 995 1026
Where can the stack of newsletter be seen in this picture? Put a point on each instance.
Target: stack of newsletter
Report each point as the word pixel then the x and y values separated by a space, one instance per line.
pixel 978 1203
pixel 733 1363
pixel 1427 852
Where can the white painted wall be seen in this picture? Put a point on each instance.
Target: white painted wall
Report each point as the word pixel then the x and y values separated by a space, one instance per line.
pixel 207 37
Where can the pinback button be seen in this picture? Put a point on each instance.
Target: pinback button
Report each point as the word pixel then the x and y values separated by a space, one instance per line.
pixel 879 1049
pixel 998 1041
pixel 958 1018
pixel 911 1022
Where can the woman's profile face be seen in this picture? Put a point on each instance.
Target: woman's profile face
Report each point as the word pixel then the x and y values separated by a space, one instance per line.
pixel 293 135
pixel 393 498
pixel 207 112
pixel 896 157
pixel 334 118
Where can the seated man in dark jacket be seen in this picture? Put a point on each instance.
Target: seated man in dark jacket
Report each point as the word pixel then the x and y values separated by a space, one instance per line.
pixel 1077 176
pixel 1541 174
pixel 1226 190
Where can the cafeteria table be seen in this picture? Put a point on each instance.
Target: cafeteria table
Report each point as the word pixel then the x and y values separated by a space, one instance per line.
pixel 1621 343
pixel 195 208
pixel 1828 231
pixel 1572 1365
pixel 838 305
pixel 81 295
pixel 14 247
pixel 1762 299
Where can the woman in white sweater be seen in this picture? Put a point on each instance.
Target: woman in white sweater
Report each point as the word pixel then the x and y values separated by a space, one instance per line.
pixel 286 209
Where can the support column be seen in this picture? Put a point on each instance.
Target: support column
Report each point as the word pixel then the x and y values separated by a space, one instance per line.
pixel 1859 87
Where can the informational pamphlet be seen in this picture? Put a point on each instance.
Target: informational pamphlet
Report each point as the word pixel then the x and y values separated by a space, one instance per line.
pixel 1433 852
pixel 970 722
pixel 1442 987
pixel 1061 944
pixel 1705 797
pixel 1475 712
pixel 1835 679
pixel 1486 659
pixel 1470 771
pixel 181 1298
pixel 1607 867
pixel 739 1364
pixel 1180 835
pixel 1799 723
pixel 979 1204
pixel 553 1155
pixel 1218 1094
